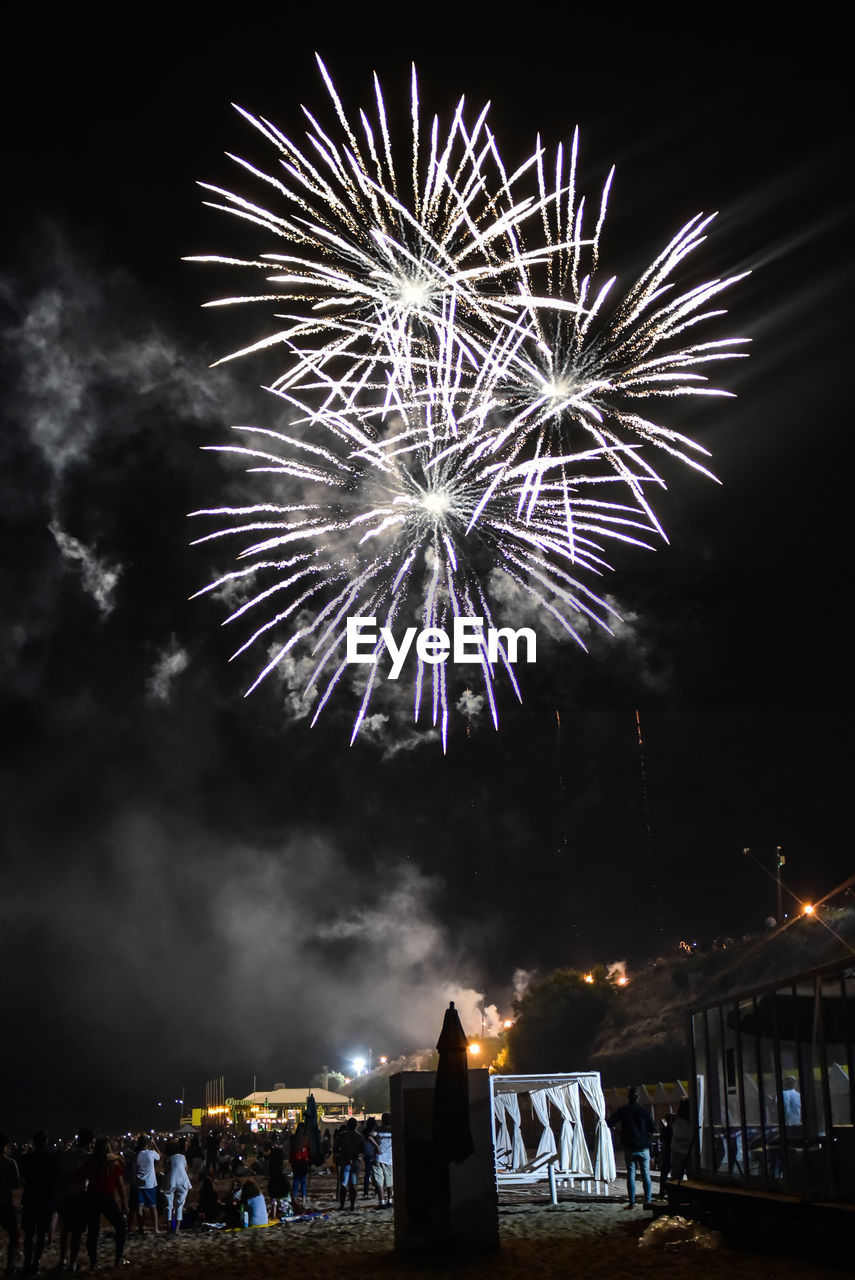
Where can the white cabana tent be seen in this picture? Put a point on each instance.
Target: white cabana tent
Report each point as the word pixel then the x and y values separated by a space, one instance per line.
pixel 564 1093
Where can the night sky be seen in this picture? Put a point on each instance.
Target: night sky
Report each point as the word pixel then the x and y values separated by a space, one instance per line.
pixel 196 884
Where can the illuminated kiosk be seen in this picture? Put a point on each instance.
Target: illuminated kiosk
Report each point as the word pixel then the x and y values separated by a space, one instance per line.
pixel 556 1102
pixel 775 1105
pixel 282 1106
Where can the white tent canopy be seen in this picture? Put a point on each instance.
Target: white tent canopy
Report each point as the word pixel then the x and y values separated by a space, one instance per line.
pixel 564 1092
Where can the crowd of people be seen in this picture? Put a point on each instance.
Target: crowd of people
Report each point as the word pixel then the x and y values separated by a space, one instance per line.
pixel 66 1193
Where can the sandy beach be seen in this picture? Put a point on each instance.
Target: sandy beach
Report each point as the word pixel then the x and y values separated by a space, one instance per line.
pixel 577 1237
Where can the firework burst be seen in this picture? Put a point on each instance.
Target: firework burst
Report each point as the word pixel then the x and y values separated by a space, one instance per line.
pixel 461 406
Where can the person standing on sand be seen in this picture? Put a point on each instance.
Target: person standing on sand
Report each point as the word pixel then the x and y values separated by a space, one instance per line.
pixel 382 1170
pixel 9 1181
pixel 301 1156
pixel 176 1185
pixel 212 1153
pixel 195 1157
pixel 38 1170
pixel 349 1147
pixel 105 1178
pixel 148 1155
pixel 372 1148
pixel 636 1130
pixel 682 1140
pixel 71 1184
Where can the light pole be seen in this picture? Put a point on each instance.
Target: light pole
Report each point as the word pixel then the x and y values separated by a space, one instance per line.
pixel 779 862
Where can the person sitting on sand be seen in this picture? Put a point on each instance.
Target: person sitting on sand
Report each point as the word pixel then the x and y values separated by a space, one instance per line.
pixel 278 1186
pixel 253 1201
pixel 210 1209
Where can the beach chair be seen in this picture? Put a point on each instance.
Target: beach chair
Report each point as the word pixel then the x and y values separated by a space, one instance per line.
pixel 542 1167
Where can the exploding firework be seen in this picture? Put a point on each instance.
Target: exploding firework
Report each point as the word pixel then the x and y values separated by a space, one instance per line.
pixel 457 402
pixel 383 528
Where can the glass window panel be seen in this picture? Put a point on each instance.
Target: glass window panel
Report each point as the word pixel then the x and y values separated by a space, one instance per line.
pixel 701 1071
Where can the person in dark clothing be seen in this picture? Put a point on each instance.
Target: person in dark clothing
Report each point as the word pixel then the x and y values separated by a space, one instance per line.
pixel 212 1152
pixel 71 1197
pixel 278 1187
pixel 301 1157
pixel 10 1180
pixel 210 1209
pixel 636 1130
pixel 372 1148
pixel 105 1181
pixel 38 1202
pixel 349 1147
pixel 665 1136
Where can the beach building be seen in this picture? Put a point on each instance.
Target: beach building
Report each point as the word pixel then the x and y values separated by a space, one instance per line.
pixel 775 1106
pixel 280 1106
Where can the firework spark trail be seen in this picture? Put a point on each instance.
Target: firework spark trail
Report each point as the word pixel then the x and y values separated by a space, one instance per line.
pixel 456 399
pixel 402 518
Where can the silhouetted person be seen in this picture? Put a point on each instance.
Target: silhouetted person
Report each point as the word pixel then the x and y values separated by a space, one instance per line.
pixel 349 1146
pixel 371 1151
pixel 10 1180
pixel 71 1191
pixel 38 1202
pixel 664 1150
pixel 210 1209
pixel 105 1175
pixel 277 1184
pixel 636 1130
pixel 212 1152
pixel 682 1138
pixel 301 1155
pixel 195 1156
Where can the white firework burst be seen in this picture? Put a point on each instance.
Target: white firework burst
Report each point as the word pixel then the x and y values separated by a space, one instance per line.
pixel 382 526
pixel 460 392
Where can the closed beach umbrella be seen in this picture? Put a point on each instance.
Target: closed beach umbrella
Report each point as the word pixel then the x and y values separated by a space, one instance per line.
pixel 451 1132
pixel 314 1130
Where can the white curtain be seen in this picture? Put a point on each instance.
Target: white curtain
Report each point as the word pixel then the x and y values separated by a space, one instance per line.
pixel 604 1167
pixel 540 1102
pixel 575 1157
pixel 504 1155
pixel 512 1106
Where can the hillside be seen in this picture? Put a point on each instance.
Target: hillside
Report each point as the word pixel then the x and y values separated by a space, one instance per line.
pixel 644 1037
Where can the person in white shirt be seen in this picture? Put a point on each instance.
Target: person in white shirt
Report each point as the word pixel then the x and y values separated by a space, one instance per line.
pixel 176 1185
pixel 382 1169
pixel 145 1180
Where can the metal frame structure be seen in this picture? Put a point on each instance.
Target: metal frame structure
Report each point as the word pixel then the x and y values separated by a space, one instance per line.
pixel 774 1088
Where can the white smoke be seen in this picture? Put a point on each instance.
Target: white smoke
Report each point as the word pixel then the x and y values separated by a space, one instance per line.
pixel 169 665
pixel 98 576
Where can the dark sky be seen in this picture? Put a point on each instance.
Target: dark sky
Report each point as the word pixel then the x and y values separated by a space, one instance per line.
pixel 196 884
